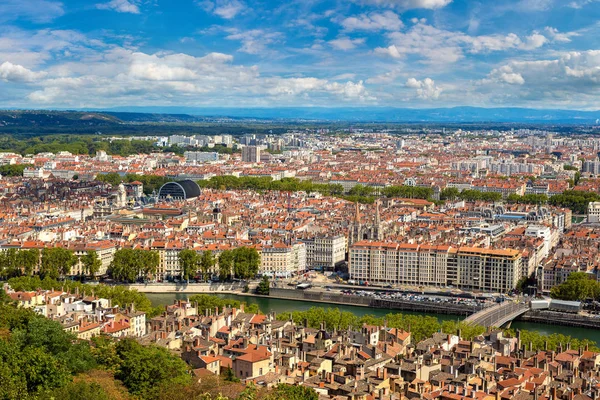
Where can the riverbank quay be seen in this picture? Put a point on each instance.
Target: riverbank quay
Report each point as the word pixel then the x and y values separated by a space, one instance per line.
pixel 325 298
pixel 561 319
pixel 395 304
pixel 192 288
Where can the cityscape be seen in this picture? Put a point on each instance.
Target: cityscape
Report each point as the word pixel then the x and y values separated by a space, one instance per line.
pixel 320 200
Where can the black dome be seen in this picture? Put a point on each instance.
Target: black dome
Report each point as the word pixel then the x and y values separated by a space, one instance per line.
pixel 186 189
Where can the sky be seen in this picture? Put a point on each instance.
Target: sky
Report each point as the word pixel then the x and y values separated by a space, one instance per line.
pixel 271 53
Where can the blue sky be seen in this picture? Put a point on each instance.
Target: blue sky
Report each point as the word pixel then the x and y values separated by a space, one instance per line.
pixel 403 53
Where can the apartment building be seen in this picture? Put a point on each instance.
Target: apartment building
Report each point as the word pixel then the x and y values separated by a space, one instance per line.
pixel 594 212
pixel 200 157
pixel 429 265
pixel 251 154
pixel 282 260
pixel 325 252
pixel 105 251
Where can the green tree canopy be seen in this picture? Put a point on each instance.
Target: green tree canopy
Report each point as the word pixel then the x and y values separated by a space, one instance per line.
pixel 188 261
pixel 91 263
pixel 578 286
pixel 226 259
pixel 57 262
pixel 143 369
pixel 263 286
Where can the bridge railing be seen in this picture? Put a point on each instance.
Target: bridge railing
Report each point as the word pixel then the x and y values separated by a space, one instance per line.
pixel 498 315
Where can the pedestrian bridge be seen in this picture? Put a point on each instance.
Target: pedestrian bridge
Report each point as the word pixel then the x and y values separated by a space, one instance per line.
pixel 499 314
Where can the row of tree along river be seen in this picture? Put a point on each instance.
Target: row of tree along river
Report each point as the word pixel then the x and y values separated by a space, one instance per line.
pixel 286 306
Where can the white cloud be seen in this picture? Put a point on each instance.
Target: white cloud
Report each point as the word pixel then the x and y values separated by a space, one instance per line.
pixel 505 74
pixel 408 4
pixel 119 76
pixel 349 90
pixel 578 4
pixel 227 9
pixel 38 11
pixel 345 43
pixel 391 51
pixel 534 5
pixel 10 72
pixel 343 77
pixel 122 6
pixel 559 37
pixel 385 78
pixel 33 48
pixel 254 41
pixel 442 46
pixel 426 89
pixel 533 41
pixel 388 20
pixel 571 79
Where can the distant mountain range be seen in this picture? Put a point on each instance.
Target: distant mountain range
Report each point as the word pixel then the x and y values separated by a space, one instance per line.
pixel 130 119
pixel 386 114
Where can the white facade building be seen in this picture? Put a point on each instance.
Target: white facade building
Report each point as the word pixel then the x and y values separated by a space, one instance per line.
pixel 282 260
pixel 325 252
pixel 594 212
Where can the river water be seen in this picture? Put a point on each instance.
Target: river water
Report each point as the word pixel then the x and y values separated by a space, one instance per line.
pixel 267 305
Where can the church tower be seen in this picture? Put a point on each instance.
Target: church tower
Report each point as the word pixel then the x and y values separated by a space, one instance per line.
pixel 355 233
pixel 377 228
pixel 367 231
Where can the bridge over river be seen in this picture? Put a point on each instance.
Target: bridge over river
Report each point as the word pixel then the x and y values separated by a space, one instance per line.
pixel 499 314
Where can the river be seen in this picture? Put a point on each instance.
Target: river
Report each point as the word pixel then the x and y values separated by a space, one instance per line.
pixel 285 306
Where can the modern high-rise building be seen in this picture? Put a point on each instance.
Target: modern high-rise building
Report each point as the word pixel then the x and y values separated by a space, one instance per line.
pixel 251 154
pixel 591 167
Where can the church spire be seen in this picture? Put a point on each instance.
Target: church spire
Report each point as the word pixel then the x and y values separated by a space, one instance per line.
pixel 357 213
pixel 377 215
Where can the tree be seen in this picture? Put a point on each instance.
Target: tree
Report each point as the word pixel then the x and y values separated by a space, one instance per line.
pixel 292 392
pixel 27 260
pixel 578 286
pixel 112 177
pixel 81 390
pixel 449 193
pixel 207 262
pixel 91 263
pixel 124 266
pixel 150 259
pixel 226 260
pixel 8 263
pixel 263 286
pixel 145 368
pixel 57 262
pixel 129 264
pixel 412 192
pixel 360 190
pixel 229 376
pixel 188 261
pixel 13 169
pixel 246 262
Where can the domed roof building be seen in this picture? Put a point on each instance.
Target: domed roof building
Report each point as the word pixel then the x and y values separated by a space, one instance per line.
pixel 180 190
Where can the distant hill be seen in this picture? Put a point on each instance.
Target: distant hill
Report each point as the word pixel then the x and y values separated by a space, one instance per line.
pixel 165 120
pixel 388 114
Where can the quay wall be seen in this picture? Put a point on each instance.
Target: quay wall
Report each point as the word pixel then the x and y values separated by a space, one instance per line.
pixel 208 288
pixel 562 319
pixel 330 298
pixel 395 304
